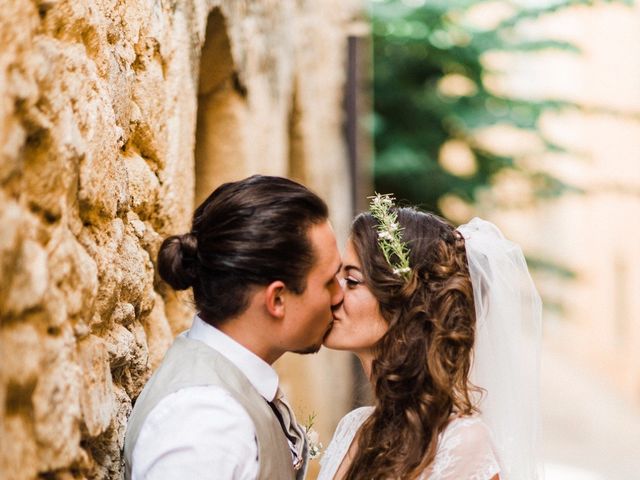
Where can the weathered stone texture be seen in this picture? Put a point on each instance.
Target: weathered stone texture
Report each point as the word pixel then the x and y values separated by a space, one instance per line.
pixel 101 107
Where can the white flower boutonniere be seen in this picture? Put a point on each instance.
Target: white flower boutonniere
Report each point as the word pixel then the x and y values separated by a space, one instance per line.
pixel 313 439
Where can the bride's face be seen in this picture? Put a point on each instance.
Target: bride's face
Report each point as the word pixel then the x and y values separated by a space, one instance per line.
pixel 358 323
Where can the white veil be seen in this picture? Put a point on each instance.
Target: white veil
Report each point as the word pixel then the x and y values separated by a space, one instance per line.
pixel 507 347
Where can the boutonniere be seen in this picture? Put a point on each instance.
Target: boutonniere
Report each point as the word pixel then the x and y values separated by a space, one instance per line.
pixel 313 439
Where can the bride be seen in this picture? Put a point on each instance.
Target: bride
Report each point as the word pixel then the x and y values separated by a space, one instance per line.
pixel 446 324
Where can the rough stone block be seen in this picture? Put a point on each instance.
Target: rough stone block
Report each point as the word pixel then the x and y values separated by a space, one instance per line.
pixel 120 345
pixel 19 452
pixel 29 279
pixel 143 184
pixel 96 397
pixel 56 408
pixel 23 364
pixel 136 372
pixel 159 334
pixel 74 273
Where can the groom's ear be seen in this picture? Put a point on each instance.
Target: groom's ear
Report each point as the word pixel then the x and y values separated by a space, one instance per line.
pixel 274 299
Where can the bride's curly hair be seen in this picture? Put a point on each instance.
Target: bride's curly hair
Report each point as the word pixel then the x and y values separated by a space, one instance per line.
pixel 421 365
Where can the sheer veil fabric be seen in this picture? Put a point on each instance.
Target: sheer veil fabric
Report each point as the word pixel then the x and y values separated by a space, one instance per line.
pixel 507 347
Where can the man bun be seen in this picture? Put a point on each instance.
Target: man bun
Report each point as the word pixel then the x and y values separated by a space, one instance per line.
pixel 177 260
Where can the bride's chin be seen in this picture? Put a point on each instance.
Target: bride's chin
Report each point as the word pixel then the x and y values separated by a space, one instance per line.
pixel 327 343
pixel 332 339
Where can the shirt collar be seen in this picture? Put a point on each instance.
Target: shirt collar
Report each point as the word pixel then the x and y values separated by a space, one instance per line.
pixel 259 373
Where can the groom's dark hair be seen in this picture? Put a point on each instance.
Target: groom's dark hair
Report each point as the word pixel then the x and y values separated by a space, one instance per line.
pixel 247 233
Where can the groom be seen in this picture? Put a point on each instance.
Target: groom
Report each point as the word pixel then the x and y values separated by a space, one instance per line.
pixel 262 261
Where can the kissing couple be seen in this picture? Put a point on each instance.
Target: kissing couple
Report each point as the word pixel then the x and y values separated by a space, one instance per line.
pixel 445 322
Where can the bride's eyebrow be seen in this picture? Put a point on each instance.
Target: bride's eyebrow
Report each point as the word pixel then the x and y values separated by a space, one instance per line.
pixel 351 267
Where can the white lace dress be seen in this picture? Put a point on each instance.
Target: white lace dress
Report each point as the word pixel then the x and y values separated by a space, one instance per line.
pixel 465 449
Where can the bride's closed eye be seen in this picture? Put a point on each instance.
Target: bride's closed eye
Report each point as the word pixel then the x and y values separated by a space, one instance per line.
pixel 351 282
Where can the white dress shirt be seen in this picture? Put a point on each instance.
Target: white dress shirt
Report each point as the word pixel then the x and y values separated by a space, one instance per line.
pixel 203 432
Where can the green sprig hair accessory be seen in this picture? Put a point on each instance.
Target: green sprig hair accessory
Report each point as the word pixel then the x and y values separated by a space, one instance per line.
pixel 395 251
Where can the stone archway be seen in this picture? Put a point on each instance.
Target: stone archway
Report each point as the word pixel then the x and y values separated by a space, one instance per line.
pixel 220 138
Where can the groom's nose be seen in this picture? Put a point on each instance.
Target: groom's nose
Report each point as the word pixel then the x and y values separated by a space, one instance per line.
pixel 337 294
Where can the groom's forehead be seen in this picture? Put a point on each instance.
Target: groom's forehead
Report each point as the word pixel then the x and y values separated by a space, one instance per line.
pixel 323 244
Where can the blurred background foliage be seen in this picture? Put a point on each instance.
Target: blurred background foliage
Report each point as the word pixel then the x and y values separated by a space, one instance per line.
pixel 435 95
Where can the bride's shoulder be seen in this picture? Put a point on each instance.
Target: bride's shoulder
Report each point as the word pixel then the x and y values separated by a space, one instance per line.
pixel 341 440
pixel 355 418
pixel 469 431
pixel 473 423
pixel 352 421
pixel 465 450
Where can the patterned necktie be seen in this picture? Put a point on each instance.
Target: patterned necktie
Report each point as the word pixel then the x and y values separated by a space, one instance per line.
pixel 292 430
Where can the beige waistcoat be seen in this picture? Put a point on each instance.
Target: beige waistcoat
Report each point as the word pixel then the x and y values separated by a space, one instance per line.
pixel 191 363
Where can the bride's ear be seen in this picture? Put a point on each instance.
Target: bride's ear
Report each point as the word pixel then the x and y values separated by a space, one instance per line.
pixel 275 299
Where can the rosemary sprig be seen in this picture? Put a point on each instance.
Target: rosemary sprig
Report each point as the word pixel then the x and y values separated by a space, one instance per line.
pixel 395 251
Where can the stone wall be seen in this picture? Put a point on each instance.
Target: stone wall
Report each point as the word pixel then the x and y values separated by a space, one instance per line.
pixel 102 106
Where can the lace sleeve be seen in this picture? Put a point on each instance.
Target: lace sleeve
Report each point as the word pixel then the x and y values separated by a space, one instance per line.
pixel 466 451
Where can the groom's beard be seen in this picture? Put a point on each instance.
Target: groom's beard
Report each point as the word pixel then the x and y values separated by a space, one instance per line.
pixel 316 347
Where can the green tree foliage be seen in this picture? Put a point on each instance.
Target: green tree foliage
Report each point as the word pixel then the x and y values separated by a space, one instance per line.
pixel 418 44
